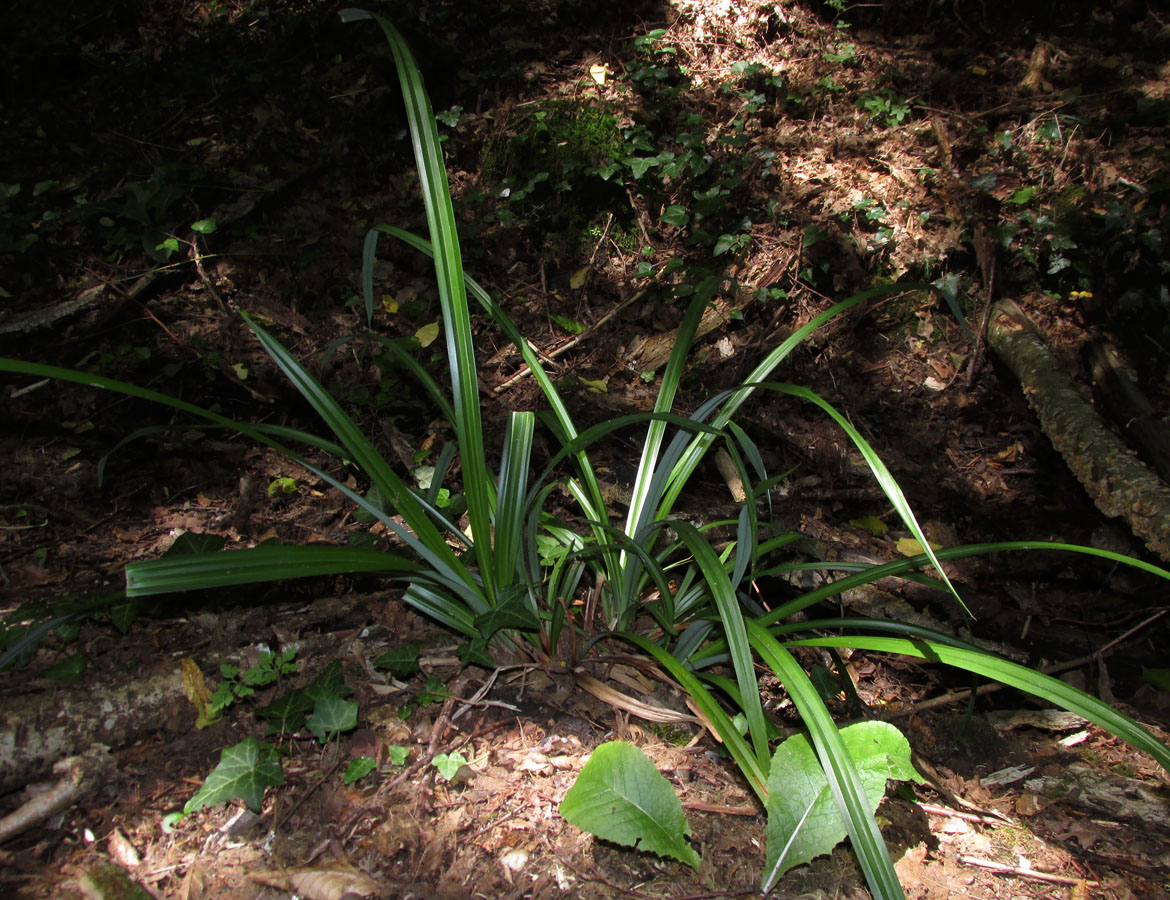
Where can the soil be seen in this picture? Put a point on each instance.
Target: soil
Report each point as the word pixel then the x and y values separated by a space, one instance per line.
pixel 877 145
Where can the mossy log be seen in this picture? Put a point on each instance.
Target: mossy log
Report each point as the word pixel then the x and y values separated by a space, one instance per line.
pixel 1118 482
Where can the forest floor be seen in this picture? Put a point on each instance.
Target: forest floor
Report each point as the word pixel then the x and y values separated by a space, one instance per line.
pixel 605 158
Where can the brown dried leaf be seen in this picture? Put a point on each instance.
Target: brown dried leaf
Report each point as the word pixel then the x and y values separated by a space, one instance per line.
pixel 319 883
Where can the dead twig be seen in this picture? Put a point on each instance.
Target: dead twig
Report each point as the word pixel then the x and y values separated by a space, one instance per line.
pixel 1023 872
pixel 1055 669
pixel 985 254
pixel 572 342
pixel 932 809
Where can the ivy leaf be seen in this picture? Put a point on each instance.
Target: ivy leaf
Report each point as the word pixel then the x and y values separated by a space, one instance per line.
pixel 332 714
pixel 287 714
pixel 448 764
pixel 621 797
pixel 401 661
pixel 193 542
pixel 245 771
pixel 359 768
pixel 330 681
pixel 68 670
pixel 675 215
pixel 640 165
pixel 397 754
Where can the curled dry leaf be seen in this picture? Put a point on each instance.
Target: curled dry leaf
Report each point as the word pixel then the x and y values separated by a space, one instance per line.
pixel 320 883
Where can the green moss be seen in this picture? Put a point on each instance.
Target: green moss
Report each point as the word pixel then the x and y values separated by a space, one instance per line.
pixel 626 237
pixel 668 733
pixel 561 137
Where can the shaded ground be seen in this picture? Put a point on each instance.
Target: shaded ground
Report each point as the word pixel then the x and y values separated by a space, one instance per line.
pixel 837 157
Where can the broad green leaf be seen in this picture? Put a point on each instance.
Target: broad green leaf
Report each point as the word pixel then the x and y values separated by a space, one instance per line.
pixel 401 661
pixel 205 226
pixel 448 764
pixel 245 772
pixel 330 681
pixel 568 323
pixel 359 768
pixel 287 714
pixel 68 670
pixel 331 715
pixel 621 797
pixel 845 783
pixel 803 819
pixel 675 215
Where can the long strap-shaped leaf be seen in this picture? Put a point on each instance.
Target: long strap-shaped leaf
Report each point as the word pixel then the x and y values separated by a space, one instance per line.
pixel 510 502
pixel 844 782
pixel 731 617
pixel 885 479
pixel 698 447
pixel 363 453
pixel 428 156
pixel 899 566
pixel 1028 680
pixel 594 507
pixel 268 562
pixel 643 504
pixel 725 730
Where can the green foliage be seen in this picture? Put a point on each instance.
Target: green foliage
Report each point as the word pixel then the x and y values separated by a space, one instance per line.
pixel 358 769
pixel 562 138
pixel 887 107
pixel 249 768
pixel 619 796
pixel 237 686
pixel 245 772
pixel 449 764
pixel 402 662
pixel 69 670
pixel 507 583
pixel 803 818
pixel 397 755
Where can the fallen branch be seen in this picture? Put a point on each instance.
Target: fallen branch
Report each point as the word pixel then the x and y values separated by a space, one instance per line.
pixel 1118 482
pixel 78 775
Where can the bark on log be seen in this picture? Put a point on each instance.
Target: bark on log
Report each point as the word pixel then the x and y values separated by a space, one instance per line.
pixel 37 729
pixel 1131 411
pixel 1116 480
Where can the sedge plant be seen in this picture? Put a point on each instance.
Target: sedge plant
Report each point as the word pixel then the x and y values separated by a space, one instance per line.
pixel 511 581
